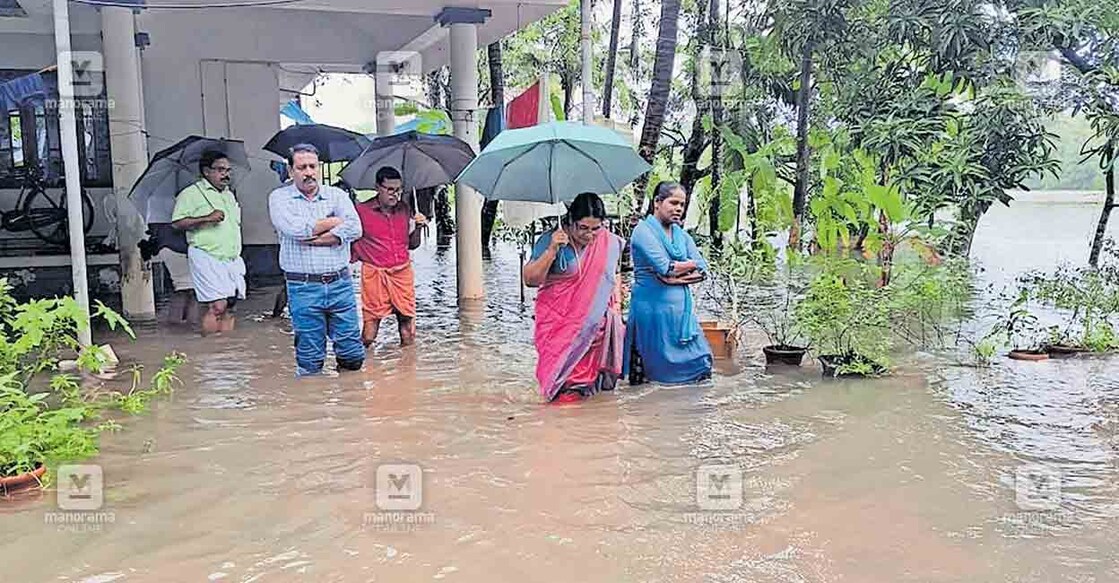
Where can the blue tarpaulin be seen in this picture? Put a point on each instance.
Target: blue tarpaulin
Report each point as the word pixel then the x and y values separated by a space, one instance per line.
pixel 292 111
pixel 14 93
pixel 495 123
pixel 425 124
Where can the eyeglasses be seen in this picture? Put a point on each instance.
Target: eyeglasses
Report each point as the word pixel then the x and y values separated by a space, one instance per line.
pixel 583 228
pixel 222 169
pixel 390 189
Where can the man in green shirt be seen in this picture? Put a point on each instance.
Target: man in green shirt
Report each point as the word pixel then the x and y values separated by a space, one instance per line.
pixel 211 216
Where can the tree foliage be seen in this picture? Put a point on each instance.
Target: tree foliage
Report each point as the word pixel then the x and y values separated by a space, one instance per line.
pixel 950 97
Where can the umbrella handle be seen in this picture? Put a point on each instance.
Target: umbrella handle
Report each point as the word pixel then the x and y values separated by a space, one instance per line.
pixel 415 205
pixel 421 230
pixel 560 259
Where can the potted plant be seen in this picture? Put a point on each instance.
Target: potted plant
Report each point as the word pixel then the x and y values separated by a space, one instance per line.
pixel 785 343
pixel 1061 343
pixel 1088 300
pixel 1021 330
pixel 732 272
pixel 721 337
pixel 775 314
pixel 48 416
pixel 32 432
pixel 846 318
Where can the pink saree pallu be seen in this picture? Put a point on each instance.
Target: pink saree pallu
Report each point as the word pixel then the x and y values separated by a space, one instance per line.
pixel 579 331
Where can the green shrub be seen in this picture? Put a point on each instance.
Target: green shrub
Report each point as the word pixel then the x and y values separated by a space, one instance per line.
pixel 1087 299
pixel 844 313
pixel 47 416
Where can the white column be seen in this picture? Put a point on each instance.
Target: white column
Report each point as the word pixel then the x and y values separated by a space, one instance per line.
pixel 130 156
pixel 585 48
pixel 386 112
pixel 468 203
pixel 69 136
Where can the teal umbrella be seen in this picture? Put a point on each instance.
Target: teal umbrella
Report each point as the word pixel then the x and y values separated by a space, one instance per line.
pixel 552 163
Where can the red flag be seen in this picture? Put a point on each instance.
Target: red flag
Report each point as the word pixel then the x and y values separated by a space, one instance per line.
pixel 524 110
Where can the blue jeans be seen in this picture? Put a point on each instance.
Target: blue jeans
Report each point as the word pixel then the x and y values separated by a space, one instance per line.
pixel 319 310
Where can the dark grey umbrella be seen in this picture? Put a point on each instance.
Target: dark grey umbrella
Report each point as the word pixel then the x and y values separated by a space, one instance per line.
pixel 424 160
pixel 175 168
pixel 334 144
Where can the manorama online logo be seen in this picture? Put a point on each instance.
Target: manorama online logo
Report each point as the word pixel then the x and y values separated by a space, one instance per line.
pixel 87 82
pixel 81 495
pixel 719 495
pixel 399 496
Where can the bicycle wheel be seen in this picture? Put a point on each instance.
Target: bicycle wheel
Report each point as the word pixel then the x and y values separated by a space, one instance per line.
pixel 46 212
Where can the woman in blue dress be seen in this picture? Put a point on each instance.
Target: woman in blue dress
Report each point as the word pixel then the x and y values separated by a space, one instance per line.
pixel 664 342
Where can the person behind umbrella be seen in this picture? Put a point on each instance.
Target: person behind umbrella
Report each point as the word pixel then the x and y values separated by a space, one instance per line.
pixel 316 225
pixel 664 342
pixel 579 330
pixel 387 280
pixel 168 246
pixel 211 217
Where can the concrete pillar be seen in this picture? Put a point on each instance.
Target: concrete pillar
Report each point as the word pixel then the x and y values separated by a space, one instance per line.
pixel 468 203
pixel 386 111
pixel 130 156
pixel 69 134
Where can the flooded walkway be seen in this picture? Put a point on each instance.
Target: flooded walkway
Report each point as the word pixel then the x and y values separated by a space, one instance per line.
pixel 936 474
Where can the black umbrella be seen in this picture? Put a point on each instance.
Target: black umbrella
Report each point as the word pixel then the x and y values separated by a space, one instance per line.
pixel 334 144
pixel 424 160
pixel 175 168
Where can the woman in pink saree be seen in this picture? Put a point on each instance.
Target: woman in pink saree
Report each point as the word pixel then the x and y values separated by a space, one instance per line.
pixel 579 330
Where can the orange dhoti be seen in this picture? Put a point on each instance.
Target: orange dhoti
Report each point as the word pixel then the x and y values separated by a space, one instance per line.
pixel 387 291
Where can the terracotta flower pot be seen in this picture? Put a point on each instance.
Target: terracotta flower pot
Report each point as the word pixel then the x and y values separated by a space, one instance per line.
pixel 23 482
pixel 1029 355
pixel 781 354
pixel 721 338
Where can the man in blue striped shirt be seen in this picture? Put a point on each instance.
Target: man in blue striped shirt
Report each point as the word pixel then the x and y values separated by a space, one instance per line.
pixel 316 224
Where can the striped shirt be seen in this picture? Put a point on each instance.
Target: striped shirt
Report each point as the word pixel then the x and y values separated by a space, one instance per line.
pixel 294 217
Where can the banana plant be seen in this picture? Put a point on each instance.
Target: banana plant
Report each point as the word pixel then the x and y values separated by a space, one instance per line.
pixel 769 201
pixel 855 211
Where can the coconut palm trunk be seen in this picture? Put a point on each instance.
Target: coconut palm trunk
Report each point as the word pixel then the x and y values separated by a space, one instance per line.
pixel 697 143
pixel 659 91
pixel 716 106
pixel 497 96
pixel 611 60
pixel 804 101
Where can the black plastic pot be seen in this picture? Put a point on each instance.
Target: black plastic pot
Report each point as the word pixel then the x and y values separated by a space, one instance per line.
pixel 1064 350
pixel 831 363
pixel 782 354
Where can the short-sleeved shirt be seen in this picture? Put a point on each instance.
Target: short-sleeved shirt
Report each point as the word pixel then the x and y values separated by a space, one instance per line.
pixel 222 240
pixel 565 261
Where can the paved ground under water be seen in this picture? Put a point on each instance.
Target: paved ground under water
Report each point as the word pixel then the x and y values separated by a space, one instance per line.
pixel 939 473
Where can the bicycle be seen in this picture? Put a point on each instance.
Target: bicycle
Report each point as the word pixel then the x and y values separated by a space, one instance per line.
pixel 42 209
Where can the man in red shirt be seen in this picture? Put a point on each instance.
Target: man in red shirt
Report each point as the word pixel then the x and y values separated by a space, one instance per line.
pixel 387 280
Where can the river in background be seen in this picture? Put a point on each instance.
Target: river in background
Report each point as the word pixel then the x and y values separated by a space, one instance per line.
pixel 940 473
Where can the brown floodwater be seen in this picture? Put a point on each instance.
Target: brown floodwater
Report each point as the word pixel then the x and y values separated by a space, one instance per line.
pixel 940 473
